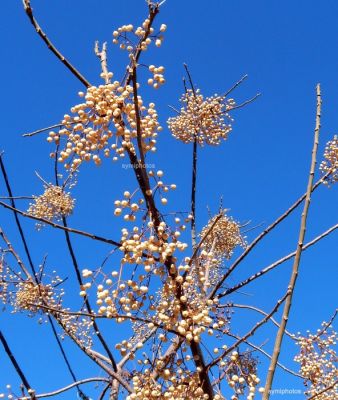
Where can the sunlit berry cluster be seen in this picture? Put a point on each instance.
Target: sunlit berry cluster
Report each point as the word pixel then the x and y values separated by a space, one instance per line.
pixel 31 296
pixel 157 79
pixel 53 204
pixel 330 163
pixel 105 122
pixel 6 276
pixel 205 120
pixel 145 35
pixel 318 363
pixel 240 370
pixel 179 384
pixel 223 238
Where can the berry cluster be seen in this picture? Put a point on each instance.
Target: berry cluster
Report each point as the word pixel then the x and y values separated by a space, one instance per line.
pixel 108 111
pixel 202 119
pixel 53 204
pixel 330 164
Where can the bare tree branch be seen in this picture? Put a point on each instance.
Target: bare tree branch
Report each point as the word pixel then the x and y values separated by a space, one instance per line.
pixel 295 268
pixel 52 48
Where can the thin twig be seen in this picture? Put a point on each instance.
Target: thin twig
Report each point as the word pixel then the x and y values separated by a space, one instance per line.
pixel 52 48
pixel 68 387
pixel 259 348
pixel 58 226
pixel 296 263
pixel 276 263
pixel 245 103
pixel 42 130
pixel 258 310
pixel 235 85
pixel 250 333
pixel 79 278
pixel 253 244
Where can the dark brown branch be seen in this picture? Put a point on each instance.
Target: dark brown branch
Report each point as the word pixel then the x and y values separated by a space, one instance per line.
pixel 194 171
pixel 15 213
pixel 17 367
pixel 51 47
pixel 79 278
pixel 57 226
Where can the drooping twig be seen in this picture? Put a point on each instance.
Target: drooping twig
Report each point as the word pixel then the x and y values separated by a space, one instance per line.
pixel 68 387
pixel 52 48
pixel 58 226
pixel 296 263
pixel 17 366
pixel 258 310
pixel 259 348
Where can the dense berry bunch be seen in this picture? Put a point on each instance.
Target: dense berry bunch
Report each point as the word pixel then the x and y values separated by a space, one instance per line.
pixel 203 119
pixel 145 35
pixel 178 385
pixel 53 204
pixel 106 121
pixel 224 236
pixel 318 360
pixel 330 164
pixel 30 296
pixel 241 373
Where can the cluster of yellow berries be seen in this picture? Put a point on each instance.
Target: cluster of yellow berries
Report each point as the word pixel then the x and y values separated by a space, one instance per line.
pixel 330 164
pixel 179 385
pixel 158 79
pixel 188 314
pixel 140 250
pixel 53 204
pixel 241 374
pixel 108 111
pixel 202 119
pixel 115 294
pixel 30 296
pixel 223 238
pixel 43 298
pixel 318 363
pixel 145 34
pixel 6 276
pixel 127 204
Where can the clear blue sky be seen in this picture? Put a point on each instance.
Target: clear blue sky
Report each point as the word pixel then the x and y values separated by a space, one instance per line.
pixel 285 48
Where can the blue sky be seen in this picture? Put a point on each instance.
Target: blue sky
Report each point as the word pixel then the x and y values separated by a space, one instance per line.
pixel 285 48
